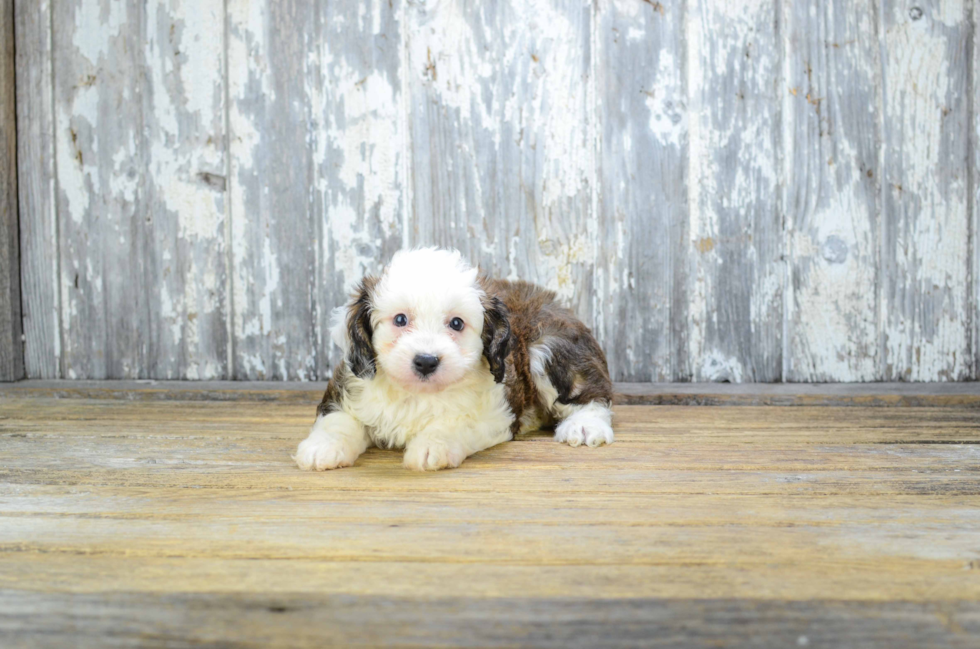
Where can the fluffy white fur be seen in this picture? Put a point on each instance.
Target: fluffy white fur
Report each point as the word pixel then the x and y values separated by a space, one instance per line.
pixel 442 419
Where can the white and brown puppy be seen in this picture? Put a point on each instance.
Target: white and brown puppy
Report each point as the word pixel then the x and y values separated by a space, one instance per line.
pixel 445 363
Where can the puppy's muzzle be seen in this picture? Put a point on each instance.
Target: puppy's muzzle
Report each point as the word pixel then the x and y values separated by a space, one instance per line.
pixel 425 364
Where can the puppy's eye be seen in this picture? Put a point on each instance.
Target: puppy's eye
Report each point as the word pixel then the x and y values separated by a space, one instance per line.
pixel 401 320
pixel 456 324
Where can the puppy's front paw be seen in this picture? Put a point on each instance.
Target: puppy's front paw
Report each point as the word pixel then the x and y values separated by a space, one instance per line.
pixel 584 427
pixel 432 455
pixel 320 453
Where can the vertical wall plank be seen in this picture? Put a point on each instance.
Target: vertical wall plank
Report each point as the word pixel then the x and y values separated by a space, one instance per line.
pixel 271 48
pixel 139 139
pixel 502 138
pixel 11 350
pixel 642 118
pixel 40 283
pixel 98 112
pixel 925 223
pixel 735 238
pixel 359 121
pixel 830 126
pixel 975 185
pixel 183 202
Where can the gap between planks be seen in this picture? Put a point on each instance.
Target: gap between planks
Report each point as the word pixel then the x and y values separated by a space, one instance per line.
pixel 958 394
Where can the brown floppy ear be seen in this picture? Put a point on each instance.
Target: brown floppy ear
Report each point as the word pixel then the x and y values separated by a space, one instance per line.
pixel 496 336
pixel 360 354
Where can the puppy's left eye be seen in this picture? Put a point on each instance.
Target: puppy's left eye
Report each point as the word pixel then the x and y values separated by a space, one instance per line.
pixel 456 324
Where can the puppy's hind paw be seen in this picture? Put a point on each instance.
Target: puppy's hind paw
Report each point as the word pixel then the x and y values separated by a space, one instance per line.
pixel 587 426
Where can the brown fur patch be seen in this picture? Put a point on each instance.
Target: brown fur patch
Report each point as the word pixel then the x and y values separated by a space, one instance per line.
pixel 577 368
pixel 361 354
pixel 497 339
pixel 335 392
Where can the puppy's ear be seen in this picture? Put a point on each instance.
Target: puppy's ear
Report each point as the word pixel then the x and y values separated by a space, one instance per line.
pixel 360 352
pixel 496 335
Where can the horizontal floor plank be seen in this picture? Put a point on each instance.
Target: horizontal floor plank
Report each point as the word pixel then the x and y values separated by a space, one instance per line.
pixel 567 543
pixel 302 620
pixel 502 508
pixel 670 424
pixel 913 580
pixel 153 454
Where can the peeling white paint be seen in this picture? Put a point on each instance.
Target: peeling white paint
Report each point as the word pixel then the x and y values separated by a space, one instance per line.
pixel 718 367
pixel 96 24
pixel 830 195
pixel 925 334
pixel 497 108
pixel 366 147
pixel 666 101
pixel 732 181
pixel 77 180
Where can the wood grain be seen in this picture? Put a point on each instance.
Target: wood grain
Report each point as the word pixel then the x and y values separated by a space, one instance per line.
pixel 925 225
pixel 272 53
pixel 502 144
pixel 974 197
pixel 830 161
pixel 187 522
pixel 184 151
pixel 361 153
pixel 314 620
pixel 642 180
pixel 100 194
pixel 11 347
pixel 138 92
pixel 734 246
pixel 39 249
pixel 692 178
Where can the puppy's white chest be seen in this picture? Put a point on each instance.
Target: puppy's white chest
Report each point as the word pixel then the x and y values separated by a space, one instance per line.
pixel 393 417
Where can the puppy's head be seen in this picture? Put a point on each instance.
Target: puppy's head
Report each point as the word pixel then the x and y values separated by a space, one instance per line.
pixel 426 323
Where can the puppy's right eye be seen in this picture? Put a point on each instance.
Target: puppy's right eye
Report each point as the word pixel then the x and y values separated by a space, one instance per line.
pixel 401 320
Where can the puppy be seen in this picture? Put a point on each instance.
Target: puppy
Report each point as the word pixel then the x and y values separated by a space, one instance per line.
pixel 444 363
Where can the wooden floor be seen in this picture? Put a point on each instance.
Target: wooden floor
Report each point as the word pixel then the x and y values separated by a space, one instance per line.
pixel 185 523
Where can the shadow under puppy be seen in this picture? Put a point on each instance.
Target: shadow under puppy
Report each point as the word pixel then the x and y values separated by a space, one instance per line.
pixel 444 363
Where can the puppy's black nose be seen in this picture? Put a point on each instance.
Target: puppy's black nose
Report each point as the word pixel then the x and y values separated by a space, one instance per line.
pixel 425 364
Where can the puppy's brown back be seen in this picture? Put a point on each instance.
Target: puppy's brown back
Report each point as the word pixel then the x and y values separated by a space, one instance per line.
pixel 576 365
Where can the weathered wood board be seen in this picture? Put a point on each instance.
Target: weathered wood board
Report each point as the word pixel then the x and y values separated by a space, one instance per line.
pixel 314 620
pixel 271 47
pixel 925 231
pixel 734 246
pixel 11 350
pixel 138 91
pixel 761 191
pixel 187 522
pixel 502 138
pixel 831 170
pixel 643 200
pixel 361 156
pixel 974 198
pixel 40 264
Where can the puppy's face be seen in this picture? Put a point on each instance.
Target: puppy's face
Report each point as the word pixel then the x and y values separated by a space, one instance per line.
pixel 426 323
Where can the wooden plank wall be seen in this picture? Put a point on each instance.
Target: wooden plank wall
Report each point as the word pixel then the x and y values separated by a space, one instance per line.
pixel 11 352
pixel 769 190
